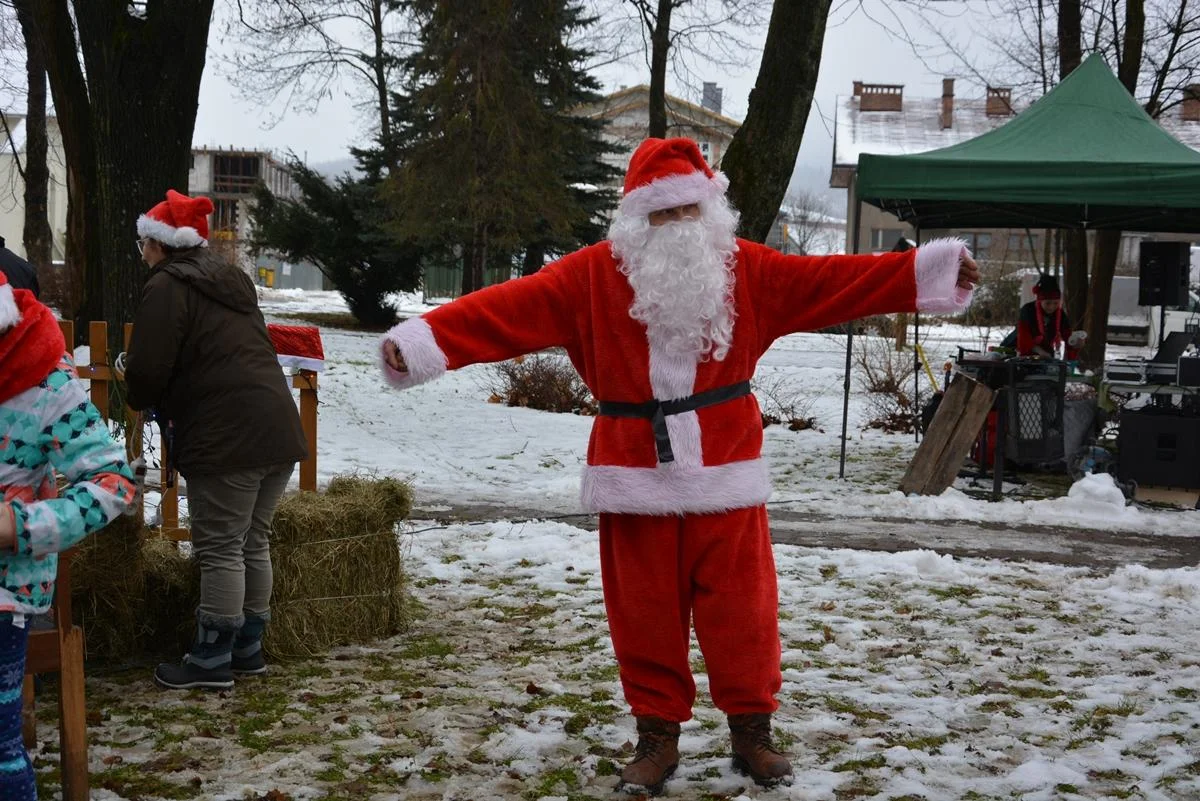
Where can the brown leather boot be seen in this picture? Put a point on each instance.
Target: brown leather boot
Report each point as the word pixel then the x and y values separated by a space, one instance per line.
pixel 754 753
pixel 655 759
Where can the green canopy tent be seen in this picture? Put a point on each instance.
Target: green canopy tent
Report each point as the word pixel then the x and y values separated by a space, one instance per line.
pixel 1084 156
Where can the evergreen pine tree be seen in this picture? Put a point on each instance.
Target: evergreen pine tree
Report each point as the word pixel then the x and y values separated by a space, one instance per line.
pixel 490 156
pixel 343 228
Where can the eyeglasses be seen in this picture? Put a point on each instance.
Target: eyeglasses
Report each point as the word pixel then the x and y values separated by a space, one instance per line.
pixel 141 246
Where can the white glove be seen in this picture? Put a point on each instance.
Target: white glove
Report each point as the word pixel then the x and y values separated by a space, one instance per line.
pixel 1077 338
pixel 138 466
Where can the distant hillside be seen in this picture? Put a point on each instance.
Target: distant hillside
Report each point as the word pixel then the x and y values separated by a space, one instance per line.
pixel 336 167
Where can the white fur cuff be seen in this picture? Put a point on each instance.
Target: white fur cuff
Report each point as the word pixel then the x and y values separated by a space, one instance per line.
pixel 937 267
pixel 425 360
pixel 10 315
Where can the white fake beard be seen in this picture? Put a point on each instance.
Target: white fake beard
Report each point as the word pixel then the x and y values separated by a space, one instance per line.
pixel 682 278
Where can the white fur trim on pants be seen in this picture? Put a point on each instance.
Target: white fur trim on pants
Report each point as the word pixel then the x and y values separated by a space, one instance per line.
pixel 672 191
pixel 673 490
pixel 420 351
pixel 938 291
pixel 10 315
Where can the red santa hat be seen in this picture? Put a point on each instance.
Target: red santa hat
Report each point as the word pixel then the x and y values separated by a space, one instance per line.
pixel 665 173
pixel 10 315
pixel 298 346
pixel 178 222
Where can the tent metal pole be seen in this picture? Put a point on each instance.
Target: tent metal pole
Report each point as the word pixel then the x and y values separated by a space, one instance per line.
pixel 854 240
pixel 917 364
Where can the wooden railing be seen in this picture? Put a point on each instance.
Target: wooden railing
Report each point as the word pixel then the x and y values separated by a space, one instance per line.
pixel 99 372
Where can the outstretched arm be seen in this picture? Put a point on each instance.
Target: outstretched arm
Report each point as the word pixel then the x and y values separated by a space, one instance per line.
pixel 75 441
pixel 807 293
pixel 499 322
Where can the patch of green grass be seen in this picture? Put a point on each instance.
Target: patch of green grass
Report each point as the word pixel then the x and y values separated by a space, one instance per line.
pixel 956 592
pixel 931 743
pixel 551 781
pixel 1185 693
pixel 427 647
pixel 845 706
pixel 828 571
pixel 999 705
pixel 135 781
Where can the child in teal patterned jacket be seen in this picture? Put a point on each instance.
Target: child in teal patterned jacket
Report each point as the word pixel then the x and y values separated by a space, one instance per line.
pixel 47 426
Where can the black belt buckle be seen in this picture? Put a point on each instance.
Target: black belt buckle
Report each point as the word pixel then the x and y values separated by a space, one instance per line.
pixel 662 437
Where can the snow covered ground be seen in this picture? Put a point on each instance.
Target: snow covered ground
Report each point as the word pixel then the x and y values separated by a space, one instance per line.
pixel 907 677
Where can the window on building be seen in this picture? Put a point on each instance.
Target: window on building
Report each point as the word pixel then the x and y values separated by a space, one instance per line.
pixel 224 218
pixel 885 238
pixel 235 173
pixel 1022 244
pixel 979 243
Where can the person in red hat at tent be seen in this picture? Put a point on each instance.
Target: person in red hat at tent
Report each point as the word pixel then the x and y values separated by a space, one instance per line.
pixel 665 321
pixel 201 359
pixel 1043 325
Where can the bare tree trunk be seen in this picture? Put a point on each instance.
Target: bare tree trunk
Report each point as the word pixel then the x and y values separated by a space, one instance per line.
pixel 1075 245
pixel 474 260
pixel 127 140
pixel 83 299
pixel 535 257
pixel 660 46
pixel 1108 243
pixel 378 65
pixel 37 235
pixel 760 160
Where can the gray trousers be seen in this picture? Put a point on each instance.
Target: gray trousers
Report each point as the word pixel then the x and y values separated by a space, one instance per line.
pixel 231 529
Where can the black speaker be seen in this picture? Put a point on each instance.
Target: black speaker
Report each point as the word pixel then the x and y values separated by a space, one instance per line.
pixel 1159 449
pixel 1163 279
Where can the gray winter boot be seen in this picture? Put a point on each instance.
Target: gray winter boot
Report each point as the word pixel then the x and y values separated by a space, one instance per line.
pixel 208 665
pixel 247 648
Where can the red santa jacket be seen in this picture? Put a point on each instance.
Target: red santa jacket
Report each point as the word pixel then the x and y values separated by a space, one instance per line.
pixel 582 302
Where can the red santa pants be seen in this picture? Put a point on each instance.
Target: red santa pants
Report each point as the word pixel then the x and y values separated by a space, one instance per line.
pixel 660 573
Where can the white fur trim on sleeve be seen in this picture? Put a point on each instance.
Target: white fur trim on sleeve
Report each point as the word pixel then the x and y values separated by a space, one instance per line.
pixel 672 191
pixel 10 315
pixel 938 291
pixel 420 350
pixel 184 237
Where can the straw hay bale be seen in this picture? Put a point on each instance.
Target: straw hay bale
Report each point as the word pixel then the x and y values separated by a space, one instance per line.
pixel 338 578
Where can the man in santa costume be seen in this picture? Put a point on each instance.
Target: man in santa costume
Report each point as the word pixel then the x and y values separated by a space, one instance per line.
pixel 665 321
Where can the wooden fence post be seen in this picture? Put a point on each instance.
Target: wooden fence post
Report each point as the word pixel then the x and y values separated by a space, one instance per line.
pixel 60 650
pixel 306 382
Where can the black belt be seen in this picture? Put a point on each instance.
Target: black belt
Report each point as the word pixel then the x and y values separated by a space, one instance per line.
pixel 656 411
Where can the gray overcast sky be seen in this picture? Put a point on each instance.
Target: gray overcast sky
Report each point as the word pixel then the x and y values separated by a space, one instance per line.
pixel 859 44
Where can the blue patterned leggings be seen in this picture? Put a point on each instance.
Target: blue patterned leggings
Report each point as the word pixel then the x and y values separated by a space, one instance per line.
pixel 16 771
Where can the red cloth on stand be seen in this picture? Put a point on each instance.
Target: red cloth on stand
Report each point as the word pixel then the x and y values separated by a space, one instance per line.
pixel 298 346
